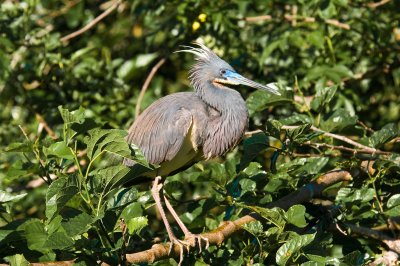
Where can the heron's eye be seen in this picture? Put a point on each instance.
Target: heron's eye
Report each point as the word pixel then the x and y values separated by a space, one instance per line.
pixel 223 72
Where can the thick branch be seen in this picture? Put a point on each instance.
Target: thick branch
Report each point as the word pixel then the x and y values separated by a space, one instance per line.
pixel 223 232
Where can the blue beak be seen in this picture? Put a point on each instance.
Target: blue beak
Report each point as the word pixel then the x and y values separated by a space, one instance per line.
pixel 232 77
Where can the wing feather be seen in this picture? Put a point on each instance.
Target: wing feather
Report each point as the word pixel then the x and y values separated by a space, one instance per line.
pixel 161 130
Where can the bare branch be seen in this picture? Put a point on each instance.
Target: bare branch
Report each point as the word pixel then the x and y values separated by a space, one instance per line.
pixel 146 85
pixel 293 19
pixel 378 4
pixel 92 23
pixel 46 127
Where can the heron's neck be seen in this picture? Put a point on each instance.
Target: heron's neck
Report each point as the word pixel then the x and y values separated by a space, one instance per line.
pixel 223 99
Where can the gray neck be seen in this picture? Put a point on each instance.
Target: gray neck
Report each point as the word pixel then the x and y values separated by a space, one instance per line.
pixel 227 130
pixel 225 100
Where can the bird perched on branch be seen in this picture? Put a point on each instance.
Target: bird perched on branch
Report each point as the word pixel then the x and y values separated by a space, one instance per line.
pixel 183 128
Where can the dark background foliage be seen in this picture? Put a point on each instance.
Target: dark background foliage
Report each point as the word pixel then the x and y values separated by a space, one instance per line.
pixel 336 63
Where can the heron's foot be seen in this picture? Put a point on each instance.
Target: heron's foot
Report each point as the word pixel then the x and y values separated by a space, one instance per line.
pixel 197 239
pixel 182 244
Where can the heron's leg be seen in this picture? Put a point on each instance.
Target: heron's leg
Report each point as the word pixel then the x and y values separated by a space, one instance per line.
pixel 155 191
pixel 188 234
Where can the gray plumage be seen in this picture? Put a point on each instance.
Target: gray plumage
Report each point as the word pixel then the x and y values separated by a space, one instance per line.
pixel 183 128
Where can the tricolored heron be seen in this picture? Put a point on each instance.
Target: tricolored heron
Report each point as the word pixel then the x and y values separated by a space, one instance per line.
pixel 183 128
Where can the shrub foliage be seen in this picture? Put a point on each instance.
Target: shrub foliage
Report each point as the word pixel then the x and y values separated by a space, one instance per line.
pixel 66 102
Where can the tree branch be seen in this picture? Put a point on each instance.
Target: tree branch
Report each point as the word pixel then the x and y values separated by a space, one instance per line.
pixel 224 231
pixel 146 85
pixel 293 18
pixel 92 23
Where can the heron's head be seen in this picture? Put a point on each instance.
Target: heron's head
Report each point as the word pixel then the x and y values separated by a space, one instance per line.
pixel 210 68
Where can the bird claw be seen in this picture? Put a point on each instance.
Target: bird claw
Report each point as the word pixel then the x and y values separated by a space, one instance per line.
pixel 197 239
pixel 181 244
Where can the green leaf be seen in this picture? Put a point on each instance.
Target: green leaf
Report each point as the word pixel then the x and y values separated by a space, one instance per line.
pixel 26 146
pixel 393 212
pixel 274 215
pixel 77 225
pixel 387 133
pixel 255 228
pixel 260 100
pixel 174 188
pixel 339 120
pixel 135 225
pixel 58 194
pixel 252 147
pixel 111 176
pixel 6 197
pixel 296 118
pixel 364 194
pixel 77 116
pixel 274 128
pixel 323 96
pixel 108 140
pixel 247 184
pixel 308 166
pixel 35 235
pixel 291 247
pixel 295 216
pixel 393 201
pixel 18 260
pixel 59 149
pixel 58 240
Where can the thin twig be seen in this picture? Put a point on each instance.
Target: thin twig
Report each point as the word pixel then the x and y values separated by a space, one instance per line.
pixel 293 19
pixel 92 23
pixel 146 85
pixel 365 126
pixel 339 137
pixel 343 148
pixel 46 127
pixel 378 4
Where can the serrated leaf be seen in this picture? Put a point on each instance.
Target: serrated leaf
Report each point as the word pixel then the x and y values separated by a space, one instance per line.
pixel 287 250
pixel 255 228
pixel 77 225
pixel 387 133
pixel 135 225
pixel 339 120
pixel 58 240
pixel 59 149
pixel 69 117
pixel 35 235
pixel 295 216
pixel 109 140
pixel 58 194
pixel 298 134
